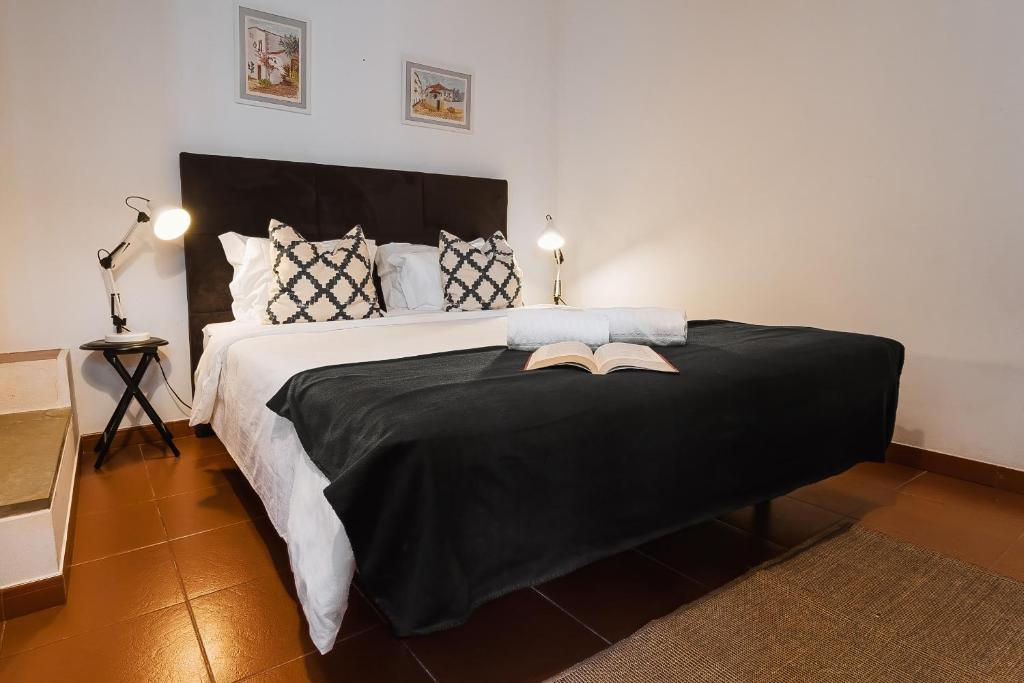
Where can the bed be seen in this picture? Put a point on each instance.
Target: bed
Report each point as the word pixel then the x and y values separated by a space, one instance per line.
pixel 413 447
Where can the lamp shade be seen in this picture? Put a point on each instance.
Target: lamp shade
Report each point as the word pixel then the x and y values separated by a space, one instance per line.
pixel 171 223
pixel 550 239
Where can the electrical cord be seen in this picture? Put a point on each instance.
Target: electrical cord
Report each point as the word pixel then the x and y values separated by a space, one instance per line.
pixel 168 383
pixel 128 203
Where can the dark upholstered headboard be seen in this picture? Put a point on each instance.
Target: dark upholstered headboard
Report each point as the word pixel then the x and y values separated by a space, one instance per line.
pixel 322 202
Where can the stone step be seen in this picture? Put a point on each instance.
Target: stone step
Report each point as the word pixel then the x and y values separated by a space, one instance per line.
pixel 38 460
pixel 30 449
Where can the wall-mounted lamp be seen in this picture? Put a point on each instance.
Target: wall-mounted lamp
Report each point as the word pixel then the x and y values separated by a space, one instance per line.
pixel 170 224
pixel 552 240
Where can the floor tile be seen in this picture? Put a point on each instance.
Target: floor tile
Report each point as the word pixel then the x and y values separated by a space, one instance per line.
pixel 116 530
pixel 114 487
pixel 189 446
pixel 632 589
pixel 960 468
pixel 882 473
pixel 977 498
pixel 159 646
pixel 250 627
pixel 106 591
pixel 1011 562
pixel 259 624
pixel 169 476
pixel 125 619
pixel 788 522
pixel 373 655
pixel 205 509
pixel 359 616
pixel 518 637
pixel 224 557
pixel 713 553
pixel 859 489
pixel 950 529
pixel 116 459
pixel 135 437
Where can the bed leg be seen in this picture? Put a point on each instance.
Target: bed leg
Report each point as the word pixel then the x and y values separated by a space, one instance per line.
pixel 203 431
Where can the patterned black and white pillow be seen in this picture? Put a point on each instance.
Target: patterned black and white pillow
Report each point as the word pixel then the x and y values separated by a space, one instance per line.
pixel 314 284
pixel 479 278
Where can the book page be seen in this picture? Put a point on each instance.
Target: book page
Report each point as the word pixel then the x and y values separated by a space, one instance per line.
pixel 569 352
pixel 621 356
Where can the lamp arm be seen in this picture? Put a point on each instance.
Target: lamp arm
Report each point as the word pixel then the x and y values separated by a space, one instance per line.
pixel 557 294
pixel 114 297
pixel 108 260
pixel 115 254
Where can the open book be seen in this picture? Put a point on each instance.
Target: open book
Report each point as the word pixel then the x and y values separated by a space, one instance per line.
pixel 607 358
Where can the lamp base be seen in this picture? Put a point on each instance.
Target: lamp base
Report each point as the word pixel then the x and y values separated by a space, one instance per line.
pixel 126 337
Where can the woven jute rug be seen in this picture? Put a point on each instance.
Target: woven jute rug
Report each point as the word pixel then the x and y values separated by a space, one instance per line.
pixel 855 606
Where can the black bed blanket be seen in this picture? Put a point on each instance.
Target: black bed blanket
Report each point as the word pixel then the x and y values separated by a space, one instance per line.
pixel 459 477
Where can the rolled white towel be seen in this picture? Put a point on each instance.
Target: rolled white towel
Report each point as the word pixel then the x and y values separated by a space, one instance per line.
pixel 531 328
pixel 651 326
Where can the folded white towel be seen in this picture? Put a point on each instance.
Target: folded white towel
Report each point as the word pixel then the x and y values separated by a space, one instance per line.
pixel 650 326
pixel 531 328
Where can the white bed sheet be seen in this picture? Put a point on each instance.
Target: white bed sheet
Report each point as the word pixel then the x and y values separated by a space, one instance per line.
pixel 243 366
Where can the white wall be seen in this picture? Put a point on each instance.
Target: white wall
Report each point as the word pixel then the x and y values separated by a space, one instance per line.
pixel 99 98
pixel 852 165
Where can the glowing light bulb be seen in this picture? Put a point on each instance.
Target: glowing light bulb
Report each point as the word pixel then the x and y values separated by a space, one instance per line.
pixel 171 224
pixel 550 239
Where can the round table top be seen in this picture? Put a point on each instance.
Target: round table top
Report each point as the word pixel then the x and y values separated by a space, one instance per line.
pixel 127 347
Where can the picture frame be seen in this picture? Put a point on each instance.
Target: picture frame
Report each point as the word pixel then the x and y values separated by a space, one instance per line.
pixel 439 97
pixel 272 60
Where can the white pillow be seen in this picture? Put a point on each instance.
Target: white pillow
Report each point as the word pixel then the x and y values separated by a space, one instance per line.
pixel 419 280
pixel 394 298
pixel 252 260
pixel 420 288
pixel 234 247
pixel 243 281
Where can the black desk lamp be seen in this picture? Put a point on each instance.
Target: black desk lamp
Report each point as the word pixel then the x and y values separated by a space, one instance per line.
pixel 170 224
pixel 552 240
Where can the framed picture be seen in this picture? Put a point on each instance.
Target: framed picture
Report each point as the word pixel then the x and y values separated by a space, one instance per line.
pixel 437 97
pixel 272 52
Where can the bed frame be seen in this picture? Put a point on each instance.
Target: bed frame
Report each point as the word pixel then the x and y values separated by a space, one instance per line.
pixel 322 202
pixel 762 455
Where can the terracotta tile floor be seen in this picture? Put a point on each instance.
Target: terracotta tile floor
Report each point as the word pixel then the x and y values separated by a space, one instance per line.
pixel 177 575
